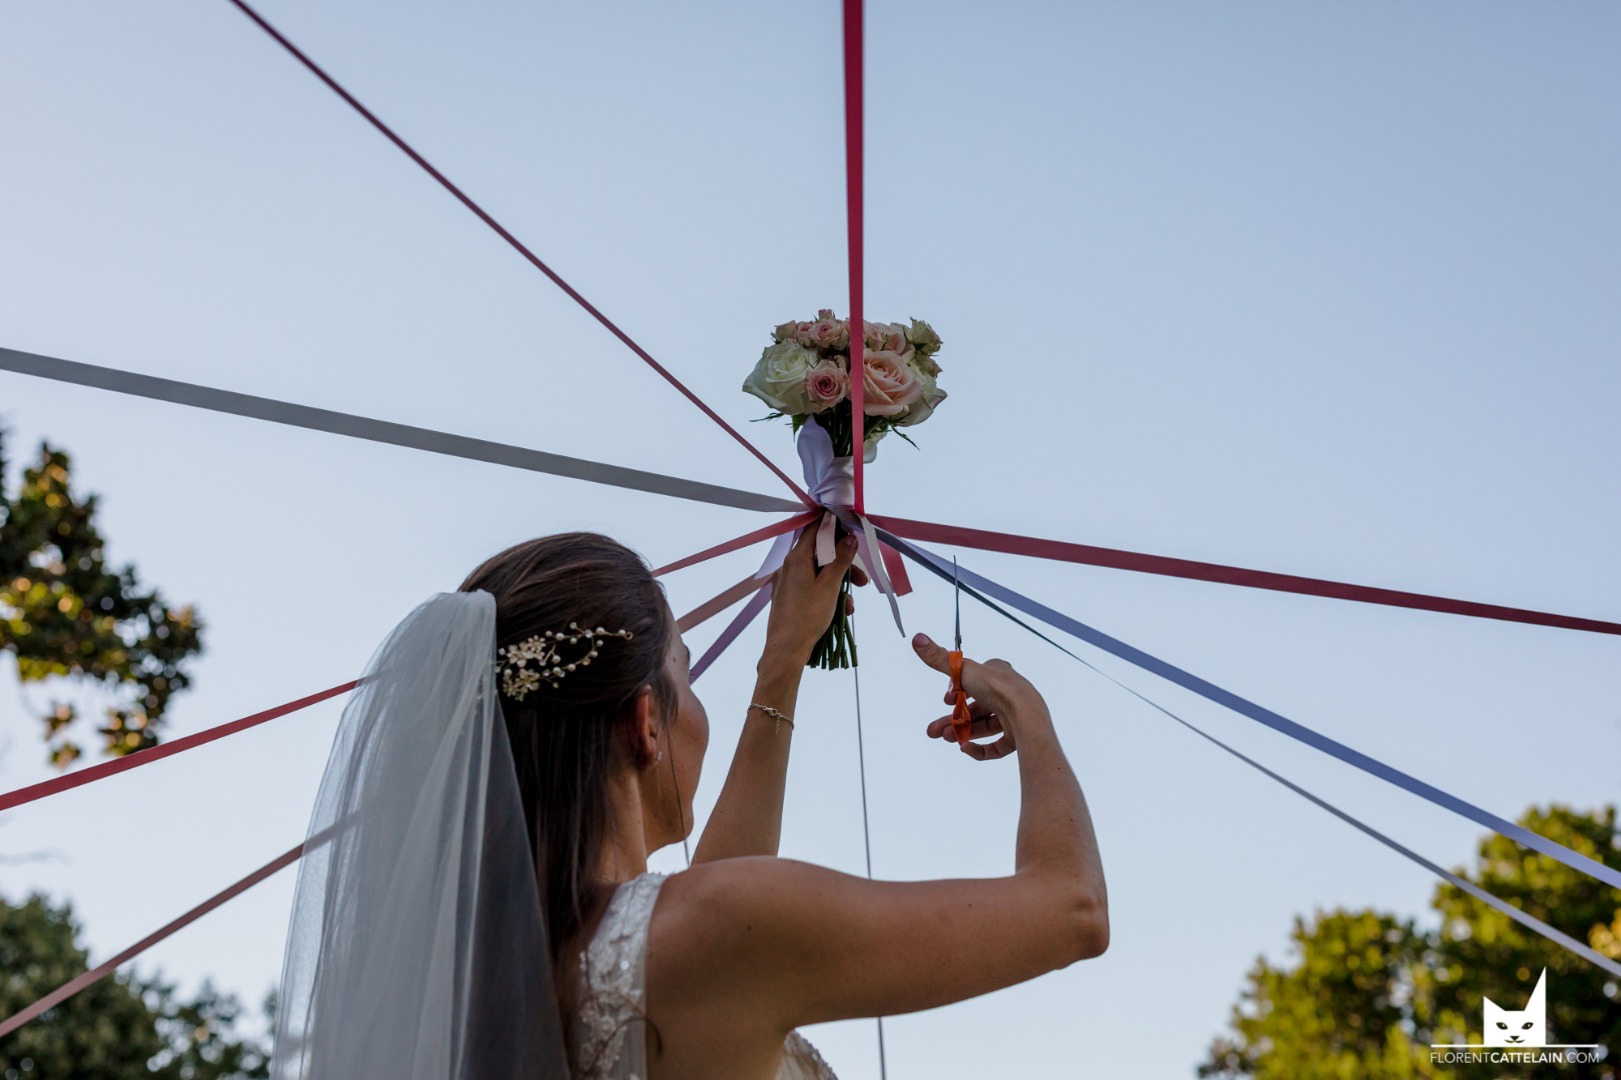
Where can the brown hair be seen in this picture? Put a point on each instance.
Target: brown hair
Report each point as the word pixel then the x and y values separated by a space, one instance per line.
pixel 563 738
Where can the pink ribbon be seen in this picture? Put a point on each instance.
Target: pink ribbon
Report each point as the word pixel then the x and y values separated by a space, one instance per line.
pixel 72 780
pixel 788 524
pixel 854 169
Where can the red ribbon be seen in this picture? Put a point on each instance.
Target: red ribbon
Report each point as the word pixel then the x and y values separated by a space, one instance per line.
pixel 1226 575
pixel 717 604
pixel 146 757
pixel 853 143
pixel 766 533
pixel 105 968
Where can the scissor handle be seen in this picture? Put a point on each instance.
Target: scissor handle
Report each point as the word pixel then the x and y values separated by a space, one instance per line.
pixel 961 719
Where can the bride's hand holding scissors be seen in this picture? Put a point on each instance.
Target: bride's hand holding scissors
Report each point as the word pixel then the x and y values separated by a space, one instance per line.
pixel 1000 702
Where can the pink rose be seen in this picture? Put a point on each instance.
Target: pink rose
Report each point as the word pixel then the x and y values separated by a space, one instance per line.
pixel 826 385
pixel 805 334
pixel 887 337
pixel 889 386
pixel 788 331
pixel 824 334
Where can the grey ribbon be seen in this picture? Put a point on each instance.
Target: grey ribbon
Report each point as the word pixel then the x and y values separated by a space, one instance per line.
pixel 382 431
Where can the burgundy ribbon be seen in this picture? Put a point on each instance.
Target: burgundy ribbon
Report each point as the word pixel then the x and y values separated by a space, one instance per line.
pixel 1225 575
pixel 750 610
pixel 517 245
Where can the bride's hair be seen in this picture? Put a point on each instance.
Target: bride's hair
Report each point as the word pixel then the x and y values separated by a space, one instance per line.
pixel 564 739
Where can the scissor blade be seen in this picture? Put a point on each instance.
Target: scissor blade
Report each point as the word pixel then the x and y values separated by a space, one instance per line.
pixel 956 592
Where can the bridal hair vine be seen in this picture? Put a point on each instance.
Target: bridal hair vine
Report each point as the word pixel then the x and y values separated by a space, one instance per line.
pixel 518 678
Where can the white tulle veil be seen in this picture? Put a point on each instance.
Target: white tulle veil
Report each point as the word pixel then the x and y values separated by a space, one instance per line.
pixel 417 948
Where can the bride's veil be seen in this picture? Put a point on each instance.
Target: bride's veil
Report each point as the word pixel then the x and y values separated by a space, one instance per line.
pixel 417 948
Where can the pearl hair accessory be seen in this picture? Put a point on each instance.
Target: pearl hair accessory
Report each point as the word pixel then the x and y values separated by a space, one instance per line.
pixel 518 678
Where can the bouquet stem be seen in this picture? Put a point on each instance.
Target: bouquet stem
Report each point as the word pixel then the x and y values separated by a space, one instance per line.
pixel 836 648
pixel 840 429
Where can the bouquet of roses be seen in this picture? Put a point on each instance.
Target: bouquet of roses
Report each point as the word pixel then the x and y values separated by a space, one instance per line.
pixel 804 375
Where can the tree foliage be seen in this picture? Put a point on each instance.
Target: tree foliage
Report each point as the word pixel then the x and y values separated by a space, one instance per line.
pixel 65 612
pixel 121 1028
pixel 1369 992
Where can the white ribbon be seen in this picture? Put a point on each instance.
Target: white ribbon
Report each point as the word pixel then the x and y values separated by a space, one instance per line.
pixel 831 483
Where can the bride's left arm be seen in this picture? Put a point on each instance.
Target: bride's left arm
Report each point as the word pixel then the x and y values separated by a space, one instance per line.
pixel 747 819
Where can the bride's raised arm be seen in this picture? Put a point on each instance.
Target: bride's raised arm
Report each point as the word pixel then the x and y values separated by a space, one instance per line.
pixel 789 943
pixel 747 819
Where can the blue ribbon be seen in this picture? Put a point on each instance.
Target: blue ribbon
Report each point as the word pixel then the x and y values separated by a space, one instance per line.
pixel 1530 922
pixel 1282 724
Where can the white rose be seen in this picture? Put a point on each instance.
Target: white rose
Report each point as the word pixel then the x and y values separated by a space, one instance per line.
pixel 930 396
pixel 927 343
pixel 779 378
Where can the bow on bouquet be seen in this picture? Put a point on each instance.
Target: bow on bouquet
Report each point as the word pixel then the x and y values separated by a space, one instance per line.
pixel 804 375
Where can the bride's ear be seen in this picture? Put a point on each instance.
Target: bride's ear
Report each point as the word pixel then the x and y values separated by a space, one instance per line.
pixel 646 727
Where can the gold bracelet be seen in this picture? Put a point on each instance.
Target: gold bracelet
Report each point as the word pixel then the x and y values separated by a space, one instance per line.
pixel 776 714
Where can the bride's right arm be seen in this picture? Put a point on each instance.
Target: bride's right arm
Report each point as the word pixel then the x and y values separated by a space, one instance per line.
pixel 803 944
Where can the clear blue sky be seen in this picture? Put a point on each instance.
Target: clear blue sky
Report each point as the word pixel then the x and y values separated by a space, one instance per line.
pixel 1325 290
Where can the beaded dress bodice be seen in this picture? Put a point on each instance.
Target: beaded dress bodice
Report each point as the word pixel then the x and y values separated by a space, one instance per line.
pixel 608 1035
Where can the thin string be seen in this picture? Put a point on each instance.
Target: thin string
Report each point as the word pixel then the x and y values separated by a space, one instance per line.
pixel 861 761
pixel 676 780
pixel 517 245
pixel 866 831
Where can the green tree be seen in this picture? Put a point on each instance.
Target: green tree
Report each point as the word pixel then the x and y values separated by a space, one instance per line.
pixel 65 612
pixel 1368 992
pixel 1483 948
pixel 121 1028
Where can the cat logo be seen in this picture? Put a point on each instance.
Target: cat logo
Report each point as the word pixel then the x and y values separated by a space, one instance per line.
pixel 1528 1027
pixel 1515 1036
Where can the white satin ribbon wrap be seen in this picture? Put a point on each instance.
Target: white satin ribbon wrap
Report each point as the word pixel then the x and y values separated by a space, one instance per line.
pixel 831 482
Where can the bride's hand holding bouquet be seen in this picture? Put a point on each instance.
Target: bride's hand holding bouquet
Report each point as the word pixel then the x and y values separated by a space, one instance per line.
pixel 805 376
pixel 804 599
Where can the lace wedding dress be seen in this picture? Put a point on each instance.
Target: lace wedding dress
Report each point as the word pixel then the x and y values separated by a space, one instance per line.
pixel 608 1037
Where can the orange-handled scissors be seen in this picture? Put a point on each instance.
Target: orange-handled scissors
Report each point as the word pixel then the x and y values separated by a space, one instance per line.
pixel 961 719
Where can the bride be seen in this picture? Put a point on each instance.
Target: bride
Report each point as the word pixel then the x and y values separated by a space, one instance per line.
pixel 475 903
